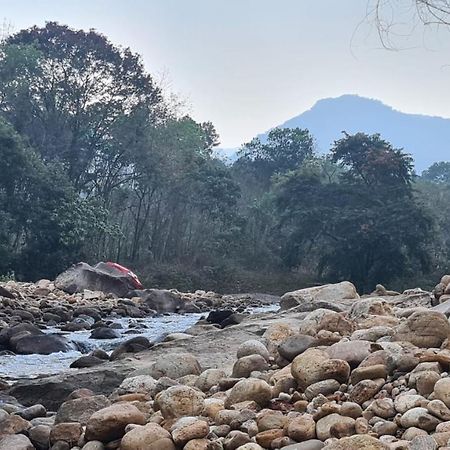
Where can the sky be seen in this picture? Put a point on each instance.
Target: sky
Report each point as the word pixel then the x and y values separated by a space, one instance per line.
pixel 249 65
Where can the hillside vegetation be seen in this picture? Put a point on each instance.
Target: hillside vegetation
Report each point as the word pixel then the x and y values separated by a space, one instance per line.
pixel 96 164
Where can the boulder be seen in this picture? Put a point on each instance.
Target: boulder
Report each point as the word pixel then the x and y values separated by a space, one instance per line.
pixel 101 277
pixel 244 366
pixel 426 329
pixel 177 366
pixel 188 428
pixel 44 344
pixel 301 428
pixel 179 401
pixel 325 425
pixel 133 345
pixel 86 361
pixel 104 333
pixel 67 432
pixel 146 437
pixel 163 300
pixel 209 378
pixel 420 418
pixel 357 442
pixel 250 389
pixel 354 352
pixel 442 391
pixel 219 315
pixel 40 436
pixel 252 347
pixel 16 442
pixel 370 306
pixel 109 423
pixel 315 365
pixel 81 409
pixel 296 345
pixel 142 384
pixel 310 298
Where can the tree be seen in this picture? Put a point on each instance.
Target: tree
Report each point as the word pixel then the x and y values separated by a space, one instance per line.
pixel 285 149
pixel 438 173
pixel 389 13
pixel 66 90
pixel 367 227
pixel 44 223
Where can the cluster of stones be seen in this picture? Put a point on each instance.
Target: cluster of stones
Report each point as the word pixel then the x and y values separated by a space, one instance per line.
pixel 442 290
pixel 333 372
pixel 373 377
pixel 26 309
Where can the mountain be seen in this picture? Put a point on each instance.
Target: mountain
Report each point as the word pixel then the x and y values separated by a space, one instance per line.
pixel 426 138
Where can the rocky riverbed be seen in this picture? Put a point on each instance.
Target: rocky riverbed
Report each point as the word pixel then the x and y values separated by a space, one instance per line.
pixel 329 370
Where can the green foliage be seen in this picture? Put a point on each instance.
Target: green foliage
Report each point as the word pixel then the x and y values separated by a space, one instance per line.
pixel 66 90
pixel 95 165
pixel 367 227
pixel 285 149
pixel 43 222
pixel 438 173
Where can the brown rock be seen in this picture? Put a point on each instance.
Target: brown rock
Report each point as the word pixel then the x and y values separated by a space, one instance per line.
pixel 67 432
pixel 109 423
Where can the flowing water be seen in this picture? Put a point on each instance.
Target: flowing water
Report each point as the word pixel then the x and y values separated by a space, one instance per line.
pixel 14 367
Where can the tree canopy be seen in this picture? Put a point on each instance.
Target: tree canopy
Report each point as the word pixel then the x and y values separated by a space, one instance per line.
pixel 97 165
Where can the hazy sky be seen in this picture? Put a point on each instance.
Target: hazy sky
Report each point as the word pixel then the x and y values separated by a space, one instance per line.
pixel 247 65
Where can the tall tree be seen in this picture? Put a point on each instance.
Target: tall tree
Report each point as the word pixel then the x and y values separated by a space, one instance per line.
pixel 368 227
pixel 66 90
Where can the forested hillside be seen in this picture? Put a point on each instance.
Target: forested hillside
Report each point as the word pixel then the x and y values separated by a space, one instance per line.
pixel 96 164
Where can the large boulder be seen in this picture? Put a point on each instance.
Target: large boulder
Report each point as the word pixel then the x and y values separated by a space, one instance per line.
pixel 133 345
pixel 325 296
pixel 179 401
pixel 163 300
pixel 357 442
pixel 81 409
pixel 177 366
pixel 316 365
pixel 16 442
pixel 249 389
pixel 109 423
pixel 102 277
pixel 44 344
pixel 149 437
pixel 426 329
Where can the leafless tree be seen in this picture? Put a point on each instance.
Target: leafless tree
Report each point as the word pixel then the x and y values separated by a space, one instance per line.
pixel 391 15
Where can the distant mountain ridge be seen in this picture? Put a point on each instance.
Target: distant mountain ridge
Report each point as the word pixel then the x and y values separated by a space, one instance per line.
pixel 426 138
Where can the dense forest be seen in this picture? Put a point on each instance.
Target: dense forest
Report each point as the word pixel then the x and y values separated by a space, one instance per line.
pixel 96 163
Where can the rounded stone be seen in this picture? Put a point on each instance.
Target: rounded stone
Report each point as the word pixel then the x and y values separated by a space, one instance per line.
pixel 209 378
pixel 324 425
pixel 109 423
pixel 315 365
pixel 250 389
pixel 252 347
pixel 354 352
pixel 295 345
pixel 442 391
pixel 244 366
pixel 420 418
pixel 188 428
pixel 425 329
pixel 301 428
pixel 16 442
pixel 148 437
pixel 142 384
pixel 179 401
pixel 177 366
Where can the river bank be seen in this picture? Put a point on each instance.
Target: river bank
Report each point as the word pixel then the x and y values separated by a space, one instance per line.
pixel 329 369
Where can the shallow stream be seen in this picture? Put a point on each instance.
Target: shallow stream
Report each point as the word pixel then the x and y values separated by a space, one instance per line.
pixel 31 366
